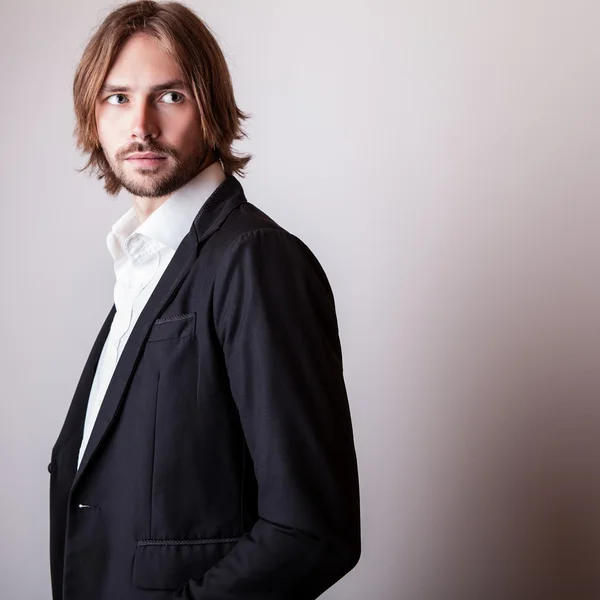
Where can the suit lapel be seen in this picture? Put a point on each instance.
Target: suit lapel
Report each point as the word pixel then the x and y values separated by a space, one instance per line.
pixel 214 211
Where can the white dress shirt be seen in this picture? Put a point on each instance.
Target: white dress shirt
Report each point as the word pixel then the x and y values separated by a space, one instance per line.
pixel 141 253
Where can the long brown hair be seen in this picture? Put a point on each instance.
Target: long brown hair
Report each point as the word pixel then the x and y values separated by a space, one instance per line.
pixel 191 43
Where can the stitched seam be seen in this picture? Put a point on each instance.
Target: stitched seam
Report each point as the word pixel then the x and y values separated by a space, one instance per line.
pixel 186 542
pixel 174 318
pixel 243 482
pixel 153 452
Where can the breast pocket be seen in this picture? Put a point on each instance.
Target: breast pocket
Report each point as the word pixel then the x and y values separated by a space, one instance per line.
pixel 173 326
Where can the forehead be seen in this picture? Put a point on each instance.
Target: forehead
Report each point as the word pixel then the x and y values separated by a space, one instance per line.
pixel 142 62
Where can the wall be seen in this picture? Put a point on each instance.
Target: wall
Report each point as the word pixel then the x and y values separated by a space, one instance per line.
pixel 441 160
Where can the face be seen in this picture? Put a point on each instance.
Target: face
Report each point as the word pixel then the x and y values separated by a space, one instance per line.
pixel 146 108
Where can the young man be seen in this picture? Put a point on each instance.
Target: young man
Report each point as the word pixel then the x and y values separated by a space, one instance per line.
pixel 208 450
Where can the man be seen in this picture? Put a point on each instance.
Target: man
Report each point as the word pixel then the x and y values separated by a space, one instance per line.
pixel 208 450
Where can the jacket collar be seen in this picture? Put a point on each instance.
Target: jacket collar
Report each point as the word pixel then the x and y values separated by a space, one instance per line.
pixel 228 196
pixel 168 224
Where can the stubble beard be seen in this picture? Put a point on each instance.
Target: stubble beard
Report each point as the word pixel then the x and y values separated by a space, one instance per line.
pixel 159 181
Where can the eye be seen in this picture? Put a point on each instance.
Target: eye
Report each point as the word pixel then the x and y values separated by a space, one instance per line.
pixel 178 97
pixel 118 97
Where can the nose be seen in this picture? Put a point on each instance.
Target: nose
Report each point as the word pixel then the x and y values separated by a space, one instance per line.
pixel 144 123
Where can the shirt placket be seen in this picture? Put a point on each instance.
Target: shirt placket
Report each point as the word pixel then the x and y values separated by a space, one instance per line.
pixel 141 271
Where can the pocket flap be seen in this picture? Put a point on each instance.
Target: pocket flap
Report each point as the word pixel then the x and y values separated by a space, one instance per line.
pixel 174 326
pixel 169 564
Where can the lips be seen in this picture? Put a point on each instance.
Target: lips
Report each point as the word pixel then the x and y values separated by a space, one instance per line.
pixel 145 156
pixel 146 159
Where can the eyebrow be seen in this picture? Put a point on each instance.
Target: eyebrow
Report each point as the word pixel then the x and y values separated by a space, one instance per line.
pixel 160 87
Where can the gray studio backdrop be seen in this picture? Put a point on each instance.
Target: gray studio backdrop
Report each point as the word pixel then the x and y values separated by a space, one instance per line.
pixel 441 160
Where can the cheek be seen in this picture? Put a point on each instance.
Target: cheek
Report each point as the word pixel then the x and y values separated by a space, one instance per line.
pixel 109 131
pixel 103 130
pixel 185 129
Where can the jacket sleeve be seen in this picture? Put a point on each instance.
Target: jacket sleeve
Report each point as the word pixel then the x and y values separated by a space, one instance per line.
pixel 275 317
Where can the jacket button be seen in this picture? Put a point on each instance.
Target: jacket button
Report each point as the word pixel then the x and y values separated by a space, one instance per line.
pixel 50 467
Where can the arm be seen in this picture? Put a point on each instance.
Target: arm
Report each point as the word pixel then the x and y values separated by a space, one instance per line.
pixel 275 317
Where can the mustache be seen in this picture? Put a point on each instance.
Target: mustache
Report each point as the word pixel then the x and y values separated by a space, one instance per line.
pixel 146 147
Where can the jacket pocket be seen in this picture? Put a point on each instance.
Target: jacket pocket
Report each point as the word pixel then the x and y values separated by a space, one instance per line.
pixel 169 564
pixel 174 326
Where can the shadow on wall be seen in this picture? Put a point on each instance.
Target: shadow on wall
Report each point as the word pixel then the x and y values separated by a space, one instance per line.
pixel 514 431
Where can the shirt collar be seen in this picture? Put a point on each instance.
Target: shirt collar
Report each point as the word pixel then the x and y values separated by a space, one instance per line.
pixel 168 224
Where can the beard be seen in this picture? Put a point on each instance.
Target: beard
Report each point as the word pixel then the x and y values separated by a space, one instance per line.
pixel 161 180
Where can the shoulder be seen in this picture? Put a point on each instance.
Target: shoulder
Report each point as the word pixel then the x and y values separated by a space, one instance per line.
pixel 249 230
pixel 247 218
pixel 253 246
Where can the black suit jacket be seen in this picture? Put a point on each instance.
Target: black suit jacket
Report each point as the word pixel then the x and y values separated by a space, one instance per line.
pixel 222 462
